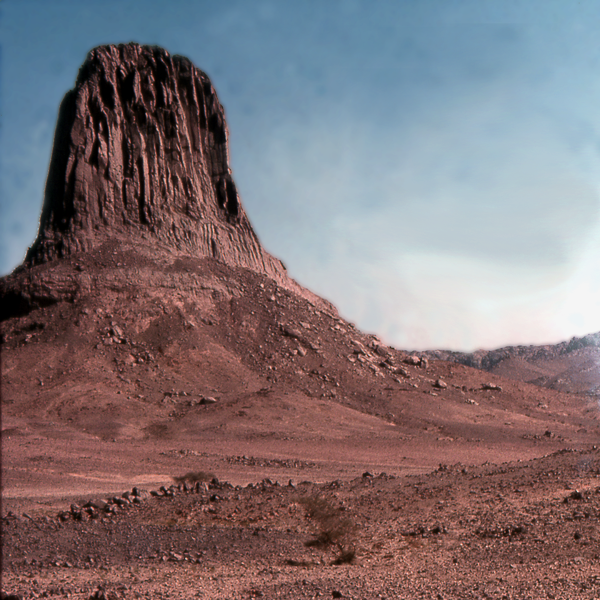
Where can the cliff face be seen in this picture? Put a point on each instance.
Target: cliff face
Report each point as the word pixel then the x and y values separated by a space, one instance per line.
pixel 141 155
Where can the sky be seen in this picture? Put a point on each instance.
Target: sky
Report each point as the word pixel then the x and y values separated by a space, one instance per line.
pixel 432 167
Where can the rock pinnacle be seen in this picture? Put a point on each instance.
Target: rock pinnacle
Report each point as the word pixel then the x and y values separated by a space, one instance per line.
pixel 141 156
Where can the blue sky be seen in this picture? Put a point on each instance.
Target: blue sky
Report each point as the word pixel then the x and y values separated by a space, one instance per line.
pixel 430 166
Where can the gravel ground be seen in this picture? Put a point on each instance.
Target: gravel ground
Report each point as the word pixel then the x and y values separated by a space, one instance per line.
pixel 515 531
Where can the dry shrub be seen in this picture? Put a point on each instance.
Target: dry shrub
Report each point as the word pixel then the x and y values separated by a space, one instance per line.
pixel 158 430
pixel 333 528
pixel 194 477
pixel 298 563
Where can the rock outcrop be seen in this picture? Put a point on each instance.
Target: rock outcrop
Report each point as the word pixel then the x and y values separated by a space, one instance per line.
pixel 141 155
pixel 139 190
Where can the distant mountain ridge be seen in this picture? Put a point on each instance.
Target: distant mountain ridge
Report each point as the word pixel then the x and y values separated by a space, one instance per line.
pixel 570 366
pixel 141 155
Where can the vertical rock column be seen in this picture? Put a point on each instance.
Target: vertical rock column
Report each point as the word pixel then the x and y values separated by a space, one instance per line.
pixel 141 153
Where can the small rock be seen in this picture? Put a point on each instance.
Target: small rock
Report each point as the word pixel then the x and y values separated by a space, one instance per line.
pixel 140 493
pixel 491 386
pixel 174 557
pixel 100 594
pixel 382 351
pixel 412 360
pixel 97 504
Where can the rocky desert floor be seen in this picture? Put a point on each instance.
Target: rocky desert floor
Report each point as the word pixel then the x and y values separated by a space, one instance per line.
pixel 510 530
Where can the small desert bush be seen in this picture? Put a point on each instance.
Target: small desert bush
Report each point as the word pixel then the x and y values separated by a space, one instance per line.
pixel 332 528
pixel 194 477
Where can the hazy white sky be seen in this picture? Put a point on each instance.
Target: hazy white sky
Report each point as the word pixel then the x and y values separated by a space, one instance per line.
pixel 430 166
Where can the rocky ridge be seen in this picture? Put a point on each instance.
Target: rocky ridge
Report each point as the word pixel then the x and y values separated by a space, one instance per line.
pixel 570 366
pixel 124 325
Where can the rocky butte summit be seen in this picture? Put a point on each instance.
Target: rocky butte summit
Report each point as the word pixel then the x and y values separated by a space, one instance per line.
pixel 140 163
pixel 147 312
pixel 141 156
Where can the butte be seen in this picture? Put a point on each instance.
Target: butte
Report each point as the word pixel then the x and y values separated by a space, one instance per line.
pixel 149 333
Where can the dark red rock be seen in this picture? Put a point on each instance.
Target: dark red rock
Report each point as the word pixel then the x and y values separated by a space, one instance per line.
pixel 139 169
pixel 140 154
